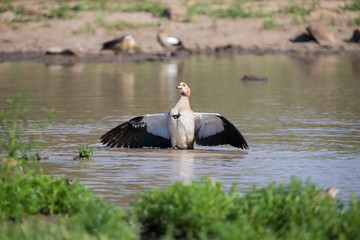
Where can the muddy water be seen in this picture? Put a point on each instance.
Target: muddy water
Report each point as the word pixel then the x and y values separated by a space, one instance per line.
pixel 304 121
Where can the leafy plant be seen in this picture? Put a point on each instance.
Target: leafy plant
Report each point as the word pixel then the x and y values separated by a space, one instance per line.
pixel 203 211
pixel 185 210
pixel 86 151
pixel 24 195
pixel 13 121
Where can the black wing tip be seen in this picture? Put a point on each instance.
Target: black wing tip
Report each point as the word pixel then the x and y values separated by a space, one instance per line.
pixel 133 134
pixel 236 140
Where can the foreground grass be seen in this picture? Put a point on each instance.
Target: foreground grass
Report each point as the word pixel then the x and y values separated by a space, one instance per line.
pixel 37 206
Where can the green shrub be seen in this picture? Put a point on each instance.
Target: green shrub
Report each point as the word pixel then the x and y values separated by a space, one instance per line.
pixel 204 211
pixel 25 193
pixel 86 151
pixel 185 210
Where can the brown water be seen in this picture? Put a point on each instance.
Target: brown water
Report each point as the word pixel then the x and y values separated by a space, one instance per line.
pixel 304 121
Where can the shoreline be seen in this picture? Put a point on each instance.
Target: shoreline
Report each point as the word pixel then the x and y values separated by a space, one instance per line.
pixel 303 49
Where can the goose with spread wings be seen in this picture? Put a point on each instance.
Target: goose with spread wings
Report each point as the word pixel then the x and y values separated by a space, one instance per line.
pixel 179 128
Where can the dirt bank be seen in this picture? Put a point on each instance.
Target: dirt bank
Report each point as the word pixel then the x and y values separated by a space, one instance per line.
pixel 27 40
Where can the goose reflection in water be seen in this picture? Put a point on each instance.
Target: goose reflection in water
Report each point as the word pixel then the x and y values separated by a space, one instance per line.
pixel 183 169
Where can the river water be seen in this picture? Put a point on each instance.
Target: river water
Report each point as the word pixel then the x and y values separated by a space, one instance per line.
pixel 303 122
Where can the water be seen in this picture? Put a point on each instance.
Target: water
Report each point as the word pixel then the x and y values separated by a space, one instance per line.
pixel 304 121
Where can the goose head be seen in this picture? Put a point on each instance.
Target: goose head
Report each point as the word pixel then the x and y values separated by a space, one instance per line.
pixel 161 27
pixel 184 89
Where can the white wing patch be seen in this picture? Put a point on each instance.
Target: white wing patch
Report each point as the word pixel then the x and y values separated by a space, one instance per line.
pixel 208 124
pixel 157 124
pixel 173 40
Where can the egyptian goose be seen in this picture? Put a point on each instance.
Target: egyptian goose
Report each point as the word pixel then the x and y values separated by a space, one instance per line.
pixel 179 128
pixel 119 45
pixel 167 42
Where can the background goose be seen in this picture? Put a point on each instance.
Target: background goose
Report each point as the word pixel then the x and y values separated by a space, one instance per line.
pixel 168 42
pixel 179 128
pixel 124 44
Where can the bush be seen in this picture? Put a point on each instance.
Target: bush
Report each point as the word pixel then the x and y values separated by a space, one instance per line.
pixel 28 194
pixel 185 210
pixel 203 211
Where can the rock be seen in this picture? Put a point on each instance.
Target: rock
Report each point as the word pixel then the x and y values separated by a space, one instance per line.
pixel 175 14
pixel 39 157
pixel 7 16
pixel 356 36
pixel 76 51
pixel 70 180
pixel 332 192
pixel 303 36
pixel 53 50
pixel 252 77
pixel 321 36
pixel 73 51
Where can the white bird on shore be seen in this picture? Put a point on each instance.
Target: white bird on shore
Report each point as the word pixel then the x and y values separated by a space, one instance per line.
pixel 124 44
pixel 167 42
pixel 179 128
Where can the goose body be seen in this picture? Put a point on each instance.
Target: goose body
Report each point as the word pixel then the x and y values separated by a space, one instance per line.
pixel 124 44
pixel 179 128
pixel 168 42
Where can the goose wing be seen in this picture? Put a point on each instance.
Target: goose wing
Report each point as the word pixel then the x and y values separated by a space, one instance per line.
pixel 213 129
pixel 112 43
pixel 144 131
pixel 173 41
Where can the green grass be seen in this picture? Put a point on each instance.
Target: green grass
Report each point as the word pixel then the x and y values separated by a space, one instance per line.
pixel 354 22
pixel 146 6
pixel 119 25
pixel 353 6
pixel 269 22
pixel 62 12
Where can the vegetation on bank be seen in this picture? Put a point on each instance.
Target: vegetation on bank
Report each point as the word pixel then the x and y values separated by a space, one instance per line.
pixel 34 205
pixel 63 9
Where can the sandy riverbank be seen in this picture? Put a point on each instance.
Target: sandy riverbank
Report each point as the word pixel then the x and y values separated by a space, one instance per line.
pixel 28 41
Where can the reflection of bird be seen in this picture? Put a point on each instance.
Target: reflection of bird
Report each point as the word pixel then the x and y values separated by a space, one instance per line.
pixel 180 128
pixel 124 44
pixel 167 42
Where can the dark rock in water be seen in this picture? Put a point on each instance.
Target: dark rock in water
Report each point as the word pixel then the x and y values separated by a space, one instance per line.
pixel 356 36
pixel 251 77
pixel 321 36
